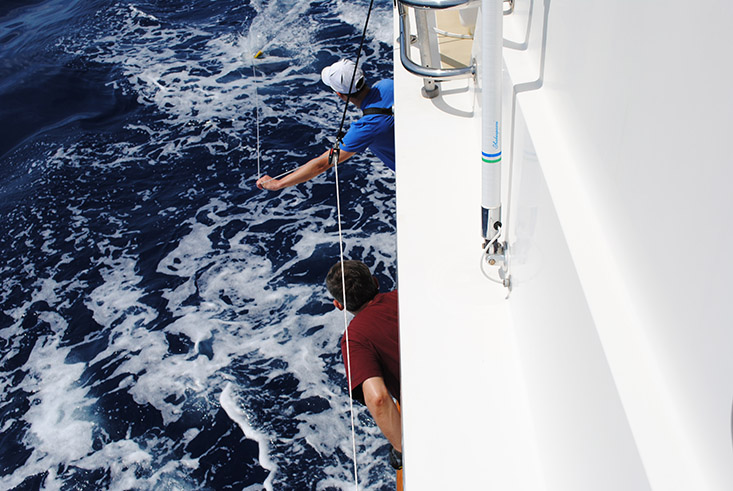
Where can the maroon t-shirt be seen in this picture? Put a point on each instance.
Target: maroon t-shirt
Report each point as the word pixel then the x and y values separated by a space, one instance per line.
pixel 374 344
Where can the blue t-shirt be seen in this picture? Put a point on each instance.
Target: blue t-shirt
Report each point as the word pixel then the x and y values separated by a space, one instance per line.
pixel 375 131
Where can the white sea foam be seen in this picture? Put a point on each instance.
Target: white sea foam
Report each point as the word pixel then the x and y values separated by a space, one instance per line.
pixel 123 458
pixel 280 24
pixel 224 279
pixel 380 28
pixel 229 404
pixel 212 81
pixel 237 275
pixel 60 430
pixel 250 308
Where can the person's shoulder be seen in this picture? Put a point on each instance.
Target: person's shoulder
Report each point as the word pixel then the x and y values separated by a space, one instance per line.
pixel 388 298
pixel 393 296
pixel 385 84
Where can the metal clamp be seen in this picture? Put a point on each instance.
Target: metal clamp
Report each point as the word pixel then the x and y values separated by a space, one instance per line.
pixel 509 10
pixel 497 254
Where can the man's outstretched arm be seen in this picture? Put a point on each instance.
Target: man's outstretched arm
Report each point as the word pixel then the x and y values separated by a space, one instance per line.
pixel 307 171
pixel 383 410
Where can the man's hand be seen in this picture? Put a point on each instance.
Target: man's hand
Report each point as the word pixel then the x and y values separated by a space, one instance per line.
pixel 267 182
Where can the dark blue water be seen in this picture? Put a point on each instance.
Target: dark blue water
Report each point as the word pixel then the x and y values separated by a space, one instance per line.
pixel 164 323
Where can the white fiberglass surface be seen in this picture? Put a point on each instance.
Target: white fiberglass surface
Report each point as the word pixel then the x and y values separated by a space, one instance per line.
pixel 459 368
pixel 583 438
pixel 620 332
pixel 636 162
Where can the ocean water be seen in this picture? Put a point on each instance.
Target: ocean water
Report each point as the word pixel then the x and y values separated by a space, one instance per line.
pixel 164 323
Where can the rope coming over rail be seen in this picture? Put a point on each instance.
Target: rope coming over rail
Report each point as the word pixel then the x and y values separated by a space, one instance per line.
pixel 335 156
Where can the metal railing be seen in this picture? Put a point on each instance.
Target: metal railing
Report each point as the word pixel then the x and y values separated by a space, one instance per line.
pixel 434 4
pixel 429 67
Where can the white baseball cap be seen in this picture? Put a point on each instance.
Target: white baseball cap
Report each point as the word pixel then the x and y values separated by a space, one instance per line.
pixel 338 77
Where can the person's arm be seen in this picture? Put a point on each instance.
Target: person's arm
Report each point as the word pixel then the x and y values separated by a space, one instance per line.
pixel 307 171
pixel 383 410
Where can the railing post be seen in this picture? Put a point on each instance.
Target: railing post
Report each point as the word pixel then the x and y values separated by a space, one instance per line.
pixel 427 41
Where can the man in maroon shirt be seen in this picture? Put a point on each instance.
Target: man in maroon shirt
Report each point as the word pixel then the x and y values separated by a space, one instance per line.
pixel 374 347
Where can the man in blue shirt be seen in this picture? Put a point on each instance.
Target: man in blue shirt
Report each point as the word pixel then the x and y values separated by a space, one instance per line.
pixel 374 130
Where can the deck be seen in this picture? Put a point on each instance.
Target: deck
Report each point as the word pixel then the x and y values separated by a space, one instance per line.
pixel 458 352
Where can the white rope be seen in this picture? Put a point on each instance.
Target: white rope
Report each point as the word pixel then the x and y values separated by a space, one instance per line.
pixel 346 325
pixel 280 175
pixel 447 34
pixel 484 255
pixel 257 116
pixel 335 154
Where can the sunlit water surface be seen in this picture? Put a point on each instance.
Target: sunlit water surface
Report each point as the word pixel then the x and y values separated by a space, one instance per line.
pixel 164 323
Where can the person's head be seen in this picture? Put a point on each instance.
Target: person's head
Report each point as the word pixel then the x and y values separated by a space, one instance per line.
pixel 361 286
pixel 338 76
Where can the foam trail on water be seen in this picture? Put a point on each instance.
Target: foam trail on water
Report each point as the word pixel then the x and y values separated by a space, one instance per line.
pixel 229 404
pixel 159 275
pixel 59 432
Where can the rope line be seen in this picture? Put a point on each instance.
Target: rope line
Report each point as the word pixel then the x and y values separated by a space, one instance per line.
pixel 356 66
pixel 343 116
pixel 257 114
pixel 335 155
pixel 346 327
pixel 280 175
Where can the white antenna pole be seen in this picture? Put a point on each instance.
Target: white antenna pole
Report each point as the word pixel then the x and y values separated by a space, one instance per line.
pixel 492 17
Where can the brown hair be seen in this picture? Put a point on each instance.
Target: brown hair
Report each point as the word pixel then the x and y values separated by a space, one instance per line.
pixel 360 286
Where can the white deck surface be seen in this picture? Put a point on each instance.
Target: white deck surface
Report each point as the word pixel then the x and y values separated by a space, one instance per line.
pixel 465 420
pixel 614 371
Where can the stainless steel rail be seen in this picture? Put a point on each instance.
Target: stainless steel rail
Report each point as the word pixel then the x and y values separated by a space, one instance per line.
pixel 432 74
pixel 434 4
